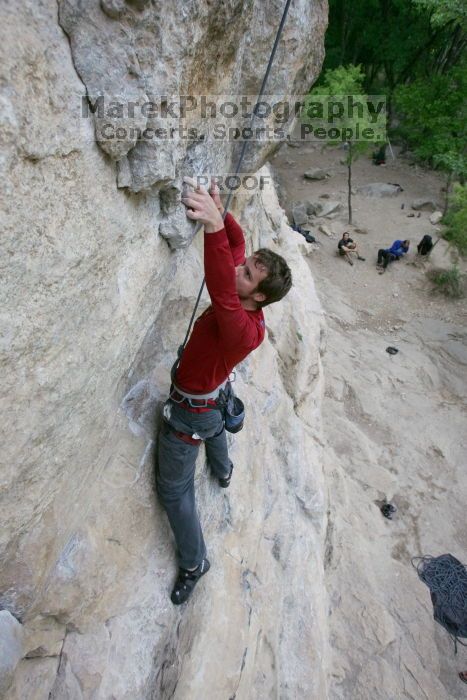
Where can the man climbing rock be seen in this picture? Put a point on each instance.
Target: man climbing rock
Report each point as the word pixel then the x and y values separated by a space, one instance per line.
pixel 229 330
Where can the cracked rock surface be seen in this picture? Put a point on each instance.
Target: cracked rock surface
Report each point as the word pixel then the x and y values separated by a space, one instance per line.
pixel 136 58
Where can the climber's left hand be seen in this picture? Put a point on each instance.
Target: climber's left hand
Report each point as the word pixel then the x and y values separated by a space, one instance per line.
pixel 201 206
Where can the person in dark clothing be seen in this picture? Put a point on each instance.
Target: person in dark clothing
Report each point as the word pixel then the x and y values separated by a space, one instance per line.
pixel 426 245
pixel 379 156
pixel 395 252
pixel 223 335
pixel 346 247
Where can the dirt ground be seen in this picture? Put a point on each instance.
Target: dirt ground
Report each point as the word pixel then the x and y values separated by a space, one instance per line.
pixel 395 428
pixel 384 219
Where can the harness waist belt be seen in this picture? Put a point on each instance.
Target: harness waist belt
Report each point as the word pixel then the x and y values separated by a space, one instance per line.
pixel 212 394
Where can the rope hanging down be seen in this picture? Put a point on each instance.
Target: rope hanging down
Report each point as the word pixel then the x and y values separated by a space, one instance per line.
pixel 237 170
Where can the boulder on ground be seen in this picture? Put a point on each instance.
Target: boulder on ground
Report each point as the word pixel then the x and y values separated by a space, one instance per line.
pixel 312 208
pixel 424 204
pixel 299 213
pixel 326 230
pixel 328 208
pixel 436 217
pixel 380 189
pixel 315 174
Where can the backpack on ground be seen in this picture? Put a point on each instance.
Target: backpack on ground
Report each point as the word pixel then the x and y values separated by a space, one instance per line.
pixel 426 245
pixel 306 234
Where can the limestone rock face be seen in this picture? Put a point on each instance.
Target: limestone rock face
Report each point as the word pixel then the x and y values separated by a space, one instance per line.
pixel 94 305
pixel 11 648
pixel 135 59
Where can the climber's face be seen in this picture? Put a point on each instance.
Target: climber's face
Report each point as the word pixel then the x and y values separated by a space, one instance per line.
pixel 248 277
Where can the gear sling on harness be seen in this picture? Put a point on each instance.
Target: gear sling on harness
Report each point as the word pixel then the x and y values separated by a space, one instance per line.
pixel 231 407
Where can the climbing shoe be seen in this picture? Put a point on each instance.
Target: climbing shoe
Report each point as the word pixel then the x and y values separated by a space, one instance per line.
pixel 359 257
pixel 225 482
pixel 186 581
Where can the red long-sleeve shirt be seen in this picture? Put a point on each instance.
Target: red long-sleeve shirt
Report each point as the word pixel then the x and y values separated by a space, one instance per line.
pixel 225 333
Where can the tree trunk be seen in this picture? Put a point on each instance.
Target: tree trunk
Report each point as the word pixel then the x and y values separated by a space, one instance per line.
pixel 350 182
pixel 344 30
pixel 450 58
pixel 446 199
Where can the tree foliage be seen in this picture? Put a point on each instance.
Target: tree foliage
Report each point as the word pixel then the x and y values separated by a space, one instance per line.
pixel 456 219
pixel 414 51
pixel 343 80
pixel 396 40
pixel 433 118
pixel 444 11
pixel 338 83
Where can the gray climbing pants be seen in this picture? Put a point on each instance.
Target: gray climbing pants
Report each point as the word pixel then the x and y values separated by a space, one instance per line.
pixel 175 474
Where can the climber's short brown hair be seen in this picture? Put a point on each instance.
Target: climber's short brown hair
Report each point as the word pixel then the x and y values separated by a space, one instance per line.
pixel 278 280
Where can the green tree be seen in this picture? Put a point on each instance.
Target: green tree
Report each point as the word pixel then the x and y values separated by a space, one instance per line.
pixel 336 86
pixel 395 41
pixel 433 120
pixel 455 164
pixel 443 11
pixel 456 219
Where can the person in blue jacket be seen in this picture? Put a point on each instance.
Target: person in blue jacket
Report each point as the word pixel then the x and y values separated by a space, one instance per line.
pixel 395 252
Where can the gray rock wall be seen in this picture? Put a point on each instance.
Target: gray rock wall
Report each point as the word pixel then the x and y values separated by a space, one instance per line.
pixel 94 305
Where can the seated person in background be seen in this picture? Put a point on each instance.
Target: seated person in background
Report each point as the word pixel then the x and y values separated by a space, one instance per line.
pixel 395 252
pixel 346 246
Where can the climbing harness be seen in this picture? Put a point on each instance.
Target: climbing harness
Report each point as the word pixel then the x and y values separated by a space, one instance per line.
pixel 178 395
pixel 237 170
pixel 222 399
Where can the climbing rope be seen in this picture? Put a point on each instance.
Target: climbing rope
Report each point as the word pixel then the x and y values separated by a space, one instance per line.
pixel 446 577
pixel 237 170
